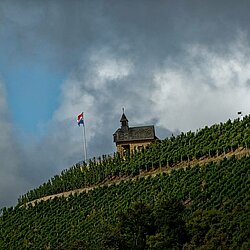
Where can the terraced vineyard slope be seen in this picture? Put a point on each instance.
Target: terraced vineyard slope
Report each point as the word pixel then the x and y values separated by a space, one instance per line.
pixel 219 139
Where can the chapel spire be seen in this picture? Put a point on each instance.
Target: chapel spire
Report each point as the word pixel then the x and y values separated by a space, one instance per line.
pixel 124 121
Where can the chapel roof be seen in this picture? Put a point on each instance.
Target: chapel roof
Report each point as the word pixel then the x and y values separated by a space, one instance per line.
pixel 135 134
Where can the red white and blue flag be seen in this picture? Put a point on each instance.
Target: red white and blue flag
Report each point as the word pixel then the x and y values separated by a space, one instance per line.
pixel 80 119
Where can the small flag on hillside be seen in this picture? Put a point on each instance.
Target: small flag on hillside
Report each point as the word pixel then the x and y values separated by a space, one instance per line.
pixel 80 119
pixel 240 115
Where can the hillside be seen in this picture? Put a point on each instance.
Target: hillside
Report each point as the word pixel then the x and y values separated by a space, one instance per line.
pixel 186 192
pixel 218 140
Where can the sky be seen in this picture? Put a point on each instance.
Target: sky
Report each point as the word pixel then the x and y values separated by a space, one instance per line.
pixel 178 65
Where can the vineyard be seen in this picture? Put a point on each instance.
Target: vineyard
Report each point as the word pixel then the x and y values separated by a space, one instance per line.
pixel 196 207
pixel 207 142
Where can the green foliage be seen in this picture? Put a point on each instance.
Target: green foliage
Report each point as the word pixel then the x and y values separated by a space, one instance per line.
pixel 132 228
pixel 171 229
pixel 204 207
pixel 149 227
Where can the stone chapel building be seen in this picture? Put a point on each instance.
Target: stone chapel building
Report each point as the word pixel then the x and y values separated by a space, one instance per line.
pixel 128 139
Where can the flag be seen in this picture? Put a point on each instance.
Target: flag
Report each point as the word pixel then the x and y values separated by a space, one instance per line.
pixel 80 119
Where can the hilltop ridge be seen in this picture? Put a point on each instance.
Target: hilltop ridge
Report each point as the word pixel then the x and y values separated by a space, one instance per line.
pixel 217 140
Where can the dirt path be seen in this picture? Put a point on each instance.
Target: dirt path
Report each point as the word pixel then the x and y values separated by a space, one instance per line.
pixel 240 152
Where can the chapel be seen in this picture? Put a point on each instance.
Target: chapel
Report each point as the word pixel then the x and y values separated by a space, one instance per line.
pixel 129 139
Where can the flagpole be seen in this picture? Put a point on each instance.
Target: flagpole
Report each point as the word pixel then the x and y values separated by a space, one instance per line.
pixel 80 120
pixel 83 147
pixel 84 142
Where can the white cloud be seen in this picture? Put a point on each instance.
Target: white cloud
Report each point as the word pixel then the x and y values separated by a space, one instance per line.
pixel 204 88
pixel 108 67
pixel 88 89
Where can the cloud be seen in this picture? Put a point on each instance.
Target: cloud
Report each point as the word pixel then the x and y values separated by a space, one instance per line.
pixel 204 87
pixel 10 180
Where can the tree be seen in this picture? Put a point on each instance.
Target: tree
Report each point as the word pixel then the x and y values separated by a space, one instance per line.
pixel 132 229
pixel 147 227
pixel 171 230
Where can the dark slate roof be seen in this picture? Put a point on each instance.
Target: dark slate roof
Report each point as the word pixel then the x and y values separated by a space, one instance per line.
pixel 134 134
